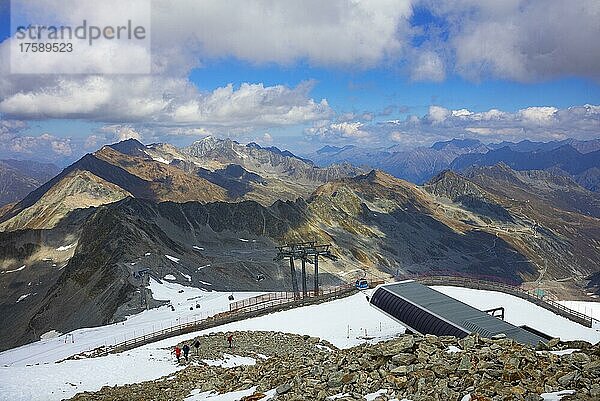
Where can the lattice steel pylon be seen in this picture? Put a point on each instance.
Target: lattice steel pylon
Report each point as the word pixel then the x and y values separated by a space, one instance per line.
pixel 305 251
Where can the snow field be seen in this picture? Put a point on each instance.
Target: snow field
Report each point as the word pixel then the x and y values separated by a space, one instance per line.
pixel 520 312
pixel 63 346
pixel 344 322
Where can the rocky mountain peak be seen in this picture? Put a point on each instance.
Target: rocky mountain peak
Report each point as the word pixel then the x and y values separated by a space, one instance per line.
pixel 453 186
pixel 379 177
pixel 130 146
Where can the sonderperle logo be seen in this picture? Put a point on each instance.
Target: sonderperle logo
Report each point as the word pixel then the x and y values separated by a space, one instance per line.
pixel 108 37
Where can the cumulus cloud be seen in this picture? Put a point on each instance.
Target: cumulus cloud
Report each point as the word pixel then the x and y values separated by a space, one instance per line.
pixel 163 100
pixel 252 104
pixel 344 131
pixel 534 123
pixel 121 132
pixel 9 128
pixel 520 40
pixel 438 114
pixel 428 66
pixel 45 146
pixel 334 32
pixel 267 138
pixel 539 115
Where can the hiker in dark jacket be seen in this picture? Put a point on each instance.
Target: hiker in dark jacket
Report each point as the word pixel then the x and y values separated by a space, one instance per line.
pixel 230 340
pixel 197 345
pixel 186 351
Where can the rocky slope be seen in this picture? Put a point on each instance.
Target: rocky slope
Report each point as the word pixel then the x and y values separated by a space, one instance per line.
pixel 409 367
pixel 209 170
pixel 378 225
pixel 266 161
pixel 558 190
pixel 540 224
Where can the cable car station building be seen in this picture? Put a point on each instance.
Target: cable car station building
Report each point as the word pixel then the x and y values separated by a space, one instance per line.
pixel 424 310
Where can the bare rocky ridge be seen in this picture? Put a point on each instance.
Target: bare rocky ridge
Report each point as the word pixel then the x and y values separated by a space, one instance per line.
pixel 208 171
pixel 582 167
pixel 412 367
pixel 557 190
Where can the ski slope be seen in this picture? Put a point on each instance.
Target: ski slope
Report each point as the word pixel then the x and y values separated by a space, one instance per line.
pixel 181 297
pixel 344 322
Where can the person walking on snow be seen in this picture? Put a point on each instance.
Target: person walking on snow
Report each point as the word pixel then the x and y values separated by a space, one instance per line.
pixel 177 353
pixel 186 351
pixel 197 345
pixel 230 340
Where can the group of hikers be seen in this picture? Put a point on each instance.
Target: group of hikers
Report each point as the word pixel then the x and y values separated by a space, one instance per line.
pixel 186 348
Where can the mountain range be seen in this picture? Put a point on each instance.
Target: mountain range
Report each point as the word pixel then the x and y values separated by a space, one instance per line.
pixel 19 177
pixel 578 159
pixel 208 170
pixel 73 252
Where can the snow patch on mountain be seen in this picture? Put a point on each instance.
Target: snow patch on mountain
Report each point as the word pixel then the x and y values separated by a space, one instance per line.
pixel 173 258
pixel 14 270
pixel 66 247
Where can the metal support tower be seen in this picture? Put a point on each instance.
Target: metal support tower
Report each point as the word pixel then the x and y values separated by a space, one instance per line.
pixel 306 252
pixel 304 293
pixel 316 278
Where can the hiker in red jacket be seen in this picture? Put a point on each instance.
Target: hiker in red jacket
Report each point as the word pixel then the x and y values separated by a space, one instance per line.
pixel 177 353
pixel 230 340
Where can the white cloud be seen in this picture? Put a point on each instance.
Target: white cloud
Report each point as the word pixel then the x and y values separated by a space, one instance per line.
pixel 461 113
pixel 61 147
pixel 521 40
pixel 267 138
pixel 438 114
pixel 122 132
pixel 124 53
pixel 428 66
pixel 184 33
pixel 539 115
pixel 252 104
pixel 333 32
pixel 349 130
pixel 534 123
pixel 45 146
pixel 164 100
pixel 344 131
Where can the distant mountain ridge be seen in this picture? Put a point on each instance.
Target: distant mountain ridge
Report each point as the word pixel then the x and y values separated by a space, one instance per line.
pixel 531 146
pixel 417 165
pixel 570 156
pixel 19 177
pixel 269 160
pixel 582 167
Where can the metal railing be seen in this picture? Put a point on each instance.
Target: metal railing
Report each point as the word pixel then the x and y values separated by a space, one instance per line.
pixel 280 298
pixel 249 308
pixel 531 296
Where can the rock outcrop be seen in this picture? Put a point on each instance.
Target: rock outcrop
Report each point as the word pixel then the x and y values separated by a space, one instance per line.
pixel 409 367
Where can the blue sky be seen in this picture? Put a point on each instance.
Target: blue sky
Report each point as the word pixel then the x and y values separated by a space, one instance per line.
pixel 334 74
pixel 377 88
